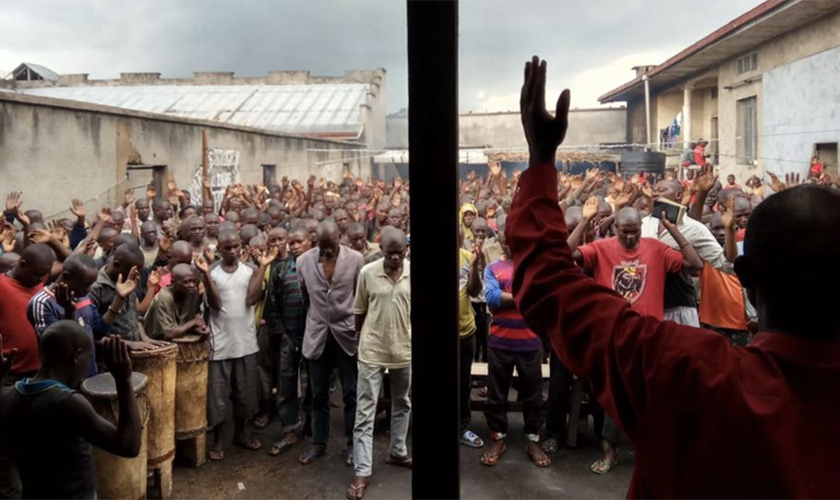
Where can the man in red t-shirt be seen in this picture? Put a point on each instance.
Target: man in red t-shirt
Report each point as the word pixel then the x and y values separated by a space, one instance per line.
pixel 633 266
pixel 16 288
pixel 816 169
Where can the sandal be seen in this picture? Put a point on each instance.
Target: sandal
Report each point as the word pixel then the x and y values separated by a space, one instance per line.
pixel 491 457
pixel 357 488
pixel 471 439
pixel 252 444
pixel 537 455
pixel 405 462
pixel 281 446
pixel 311 454
pixel 216 455
pixel 551 446
pixel 602 467
pixel 262 421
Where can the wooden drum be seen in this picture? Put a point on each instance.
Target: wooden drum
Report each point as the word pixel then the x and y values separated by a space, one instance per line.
pixel 191 386
pixel 118 477
pixel 159 366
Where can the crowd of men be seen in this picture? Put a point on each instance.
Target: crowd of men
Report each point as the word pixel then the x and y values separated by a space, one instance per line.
pixel 312 281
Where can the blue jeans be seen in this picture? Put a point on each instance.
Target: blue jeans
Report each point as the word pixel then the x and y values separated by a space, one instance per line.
pixel 319 376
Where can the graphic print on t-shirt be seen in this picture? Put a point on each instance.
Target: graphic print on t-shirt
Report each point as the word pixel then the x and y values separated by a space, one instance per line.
pixel 629 280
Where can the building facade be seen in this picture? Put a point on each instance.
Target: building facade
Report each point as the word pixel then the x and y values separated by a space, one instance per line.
pixel 762 90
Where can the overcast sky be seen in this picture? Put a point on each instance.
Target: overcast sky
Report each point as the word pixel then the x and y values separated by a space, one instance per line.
pixel 590 44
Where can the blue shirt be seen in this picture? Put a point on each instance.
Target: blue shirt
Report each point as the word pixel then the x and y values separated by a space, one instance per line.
pixel 43 310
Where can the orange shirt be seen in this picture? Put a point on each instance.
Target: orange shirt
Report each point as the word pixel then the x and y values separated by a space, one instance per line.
pixel 721 299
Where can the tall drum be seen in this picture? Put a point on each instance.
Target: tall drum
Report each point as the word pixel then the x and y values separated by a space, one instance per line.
pixel 159 366
pixel 118 477
pixel 191 398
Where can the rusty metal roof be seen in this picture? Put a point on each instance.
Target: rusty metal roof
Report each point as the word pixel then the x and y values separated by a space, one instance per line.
pixel 318 109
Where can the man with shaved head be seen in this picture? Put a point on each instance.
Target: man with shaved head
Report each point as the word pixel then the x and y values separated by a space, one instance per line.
pixel 383 326
pixel 328 275
pixel 680 296
pixel 285 315
pixel 233 289
pixel 180 253
pixel 47 427
pixel 17 287
pixel 175 311
pixel 67 298
pixel 357 236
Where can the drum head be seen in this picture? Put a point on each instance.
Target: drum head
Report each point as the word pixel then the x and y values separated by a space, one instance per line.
pixel 160 352
pixel 189 339
pixel 104 386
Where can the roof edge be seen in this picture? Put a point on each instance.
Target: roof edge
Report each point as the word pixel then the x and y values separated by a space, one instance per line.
pixel 67 104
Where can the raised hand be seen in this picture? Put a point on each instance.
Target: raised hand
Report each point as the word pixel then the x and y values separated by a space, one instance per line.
pixel 590 209
pixel 591 174
pixel 104 214
pixel 495 167
pixel 201 264
pixel 117 357
pixel 164 243
pixel 311 181
pixel 126 287
pixel 39 236
pixel 728 217
pixel 90 247
pixel 478 254
pixel 285 182
pixel 78 208
pixel 8 241
pixel 268 256
pixel 128 197
pixel 151 192
pixel 543 131
pixel 706 179
pixel 154 279
pixel 629 195
pixel 775 184
pixel 13 202
pixel 6 362
pixel 791 180
pixel 205 182
pixel 65 298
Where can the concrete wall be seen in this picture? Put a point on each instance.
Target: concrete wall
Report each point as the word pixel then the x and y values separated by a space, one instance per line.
pixel 55 150
pixel 504 130
pixel 820 84
pixel 801 108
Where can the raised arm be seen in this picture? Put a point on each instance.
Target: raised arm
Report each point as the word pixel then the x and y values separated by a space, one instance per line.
pixel 594 331
pixel 703 183
pixel 255 286
pixel 123 439
pixel 214 297
pixel 590 210
pixel 692 258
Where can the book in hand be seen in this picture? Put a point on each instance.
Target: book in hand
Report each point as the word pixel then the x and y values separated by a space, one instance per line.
pixel 674 212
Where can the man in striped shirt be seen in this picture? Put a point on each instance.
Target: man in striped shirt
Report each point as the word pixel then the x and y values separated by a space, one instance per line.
pixel 285 315
pixel 511 344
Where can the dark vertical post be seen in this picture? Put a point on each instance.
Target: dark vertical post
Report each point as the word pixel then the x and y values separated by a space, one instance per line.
pixel 433 172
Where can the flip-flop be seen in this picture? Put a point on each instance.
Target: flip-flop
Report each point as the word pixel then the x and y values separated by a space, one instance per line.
pixel 600 467
pixel 311 454
pixel 216 455
pixel 262 421
pixel 536 456
pixel 356 491
pixel 280 447
pixel 551 446
pixel 471 439
pixel 492 460
pixel 405 462
pixel 252 445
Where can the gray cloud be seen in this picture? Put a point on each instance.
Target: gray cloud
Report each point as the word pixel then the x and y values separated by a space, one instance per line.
pixel 104 38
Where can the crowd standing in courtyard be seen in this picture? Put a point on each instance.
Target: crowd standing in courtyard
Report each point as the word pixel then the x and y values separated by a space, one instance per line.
pixel 306 284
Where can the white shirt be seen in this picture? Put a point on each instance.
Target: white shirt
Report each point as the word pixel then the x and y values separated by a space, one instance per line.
pixel 233 333
pixel 697 234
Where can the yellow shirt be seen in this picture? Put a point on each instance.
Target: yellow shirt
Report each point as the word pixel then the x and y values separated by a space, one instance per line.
pixel 465 311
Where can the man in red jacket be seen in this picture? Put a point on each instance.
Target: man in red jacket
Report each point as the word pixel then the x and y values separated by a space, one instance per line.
pixel 707 419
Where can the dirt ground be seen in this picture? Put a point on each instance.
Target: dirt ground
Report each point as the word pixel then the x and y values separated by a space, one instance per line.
pixel 248 474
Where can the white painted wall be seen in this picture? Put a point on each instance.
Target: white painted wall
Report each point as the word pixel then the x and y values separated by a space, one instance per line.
pixel 801 105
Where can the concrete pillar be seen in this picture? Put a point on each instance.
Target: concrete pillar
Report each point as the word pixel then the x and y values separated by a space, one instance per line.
pixel 686 111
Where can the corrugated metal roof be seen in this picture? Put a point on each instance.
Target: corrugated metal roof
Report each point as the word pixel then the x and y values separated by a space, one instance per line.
pixel 46 73
pixel 300 109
